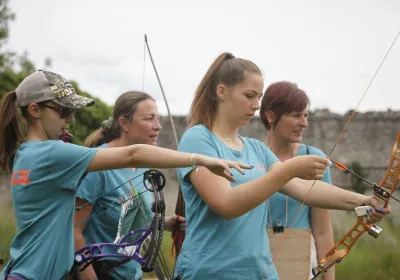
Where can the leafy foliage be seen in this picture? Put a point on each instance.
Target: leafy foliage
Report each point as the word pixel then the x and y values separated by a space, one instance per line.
pixel 14 68
pixel 88 119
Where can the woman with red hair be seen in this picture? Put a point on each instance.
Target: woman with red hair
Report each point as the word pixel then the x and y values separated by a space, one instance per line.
pixel 284 113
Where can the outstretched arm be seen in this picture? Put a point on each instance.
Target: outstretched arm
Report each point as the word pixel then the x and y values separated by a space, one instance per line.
pixel 231 202
pixel 141 155
pixel 323 195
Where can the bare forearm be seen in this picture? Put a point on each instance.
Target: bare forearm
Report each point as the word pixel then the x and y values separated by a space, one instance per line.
pixel 243 198
pixel 79 240
pixel 140 155
pixel 322 195
pixel 146 155
pixel 231 202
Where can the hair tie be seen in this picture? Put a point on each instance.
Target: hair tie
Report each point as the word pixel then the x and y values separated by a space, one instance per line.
pixel 229 56
pixel 108 123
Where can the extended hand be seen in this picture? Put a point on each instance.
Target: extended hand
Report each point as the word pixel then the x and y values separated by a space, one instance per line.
pixel 309 167
pixel 222 167
pixel 376 213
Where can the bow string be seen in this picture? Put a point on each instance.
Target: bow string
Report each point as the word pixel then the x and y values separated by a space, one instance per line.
pixel 178 235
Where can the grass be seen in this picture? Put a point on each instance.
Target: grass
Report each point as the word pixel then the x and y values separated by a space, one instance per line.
pixel 167 255
pixel 377 259
pixel 370 258
pixel 7 230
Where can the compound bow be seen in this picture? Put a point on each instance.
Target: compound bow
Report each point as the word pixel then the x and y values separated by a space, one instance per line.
pixel 141 245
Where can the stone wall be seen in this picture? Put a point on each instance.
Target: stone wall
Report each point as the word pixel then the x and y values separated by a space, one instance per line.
pixel 368 139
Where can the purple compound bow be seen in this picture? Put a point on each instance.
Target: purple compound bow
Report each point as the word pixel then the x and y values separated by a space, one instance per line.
pixel 145 241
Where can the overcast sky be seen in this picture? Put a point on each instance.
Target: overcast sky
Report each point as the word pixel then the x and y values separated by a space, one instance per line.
pixel 329 48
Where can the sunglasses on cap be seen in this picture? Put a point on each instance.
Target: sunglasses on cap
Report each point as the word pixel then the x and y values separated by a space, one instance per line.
pixel 64 112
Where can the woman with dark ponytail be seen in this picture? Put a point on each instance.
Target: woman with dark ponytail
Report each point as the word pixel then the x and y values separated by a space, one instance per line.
pixel 45 172
pixel 135 120
pixel 10 130
pixel 226 221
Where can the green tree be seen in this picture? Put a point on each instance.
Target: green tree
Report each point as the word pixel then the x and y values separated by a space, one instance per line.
pixel 5 17
pixel 15 67
pixel 88 119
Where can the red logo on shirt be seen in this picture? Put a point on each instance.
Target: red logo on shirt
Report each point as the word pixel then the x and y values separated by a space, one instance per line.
pixel 20 177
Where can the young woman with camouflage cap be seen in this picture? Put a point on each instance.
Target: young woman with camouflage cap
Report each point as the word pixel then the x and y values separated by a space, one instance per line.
pixel 46 172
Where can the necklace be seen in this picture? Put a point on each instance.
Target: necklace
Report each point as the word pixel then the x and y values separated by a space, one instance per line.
pixel 279 227
pixel 227 138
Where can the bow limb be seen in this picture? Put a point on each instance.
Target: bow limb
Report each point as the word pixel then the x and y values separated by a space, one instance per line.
pixel 392 176
pixel 177 234
pixel 343 246
pixel 162 91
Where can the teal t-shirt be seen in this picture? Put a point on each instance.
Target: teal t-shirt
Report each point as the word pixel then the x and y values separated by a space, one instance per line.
pixel 45 176
pixel 215 248
pixel 277 202
pixel 97 188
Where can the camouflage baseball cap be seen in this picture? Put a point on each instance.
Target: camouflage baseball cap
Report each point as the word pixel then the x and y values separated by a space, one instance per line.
pixel 45 85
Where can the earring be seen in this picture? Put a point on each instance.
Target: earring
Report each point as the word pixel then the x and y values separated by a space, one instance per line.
pixel 126 129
